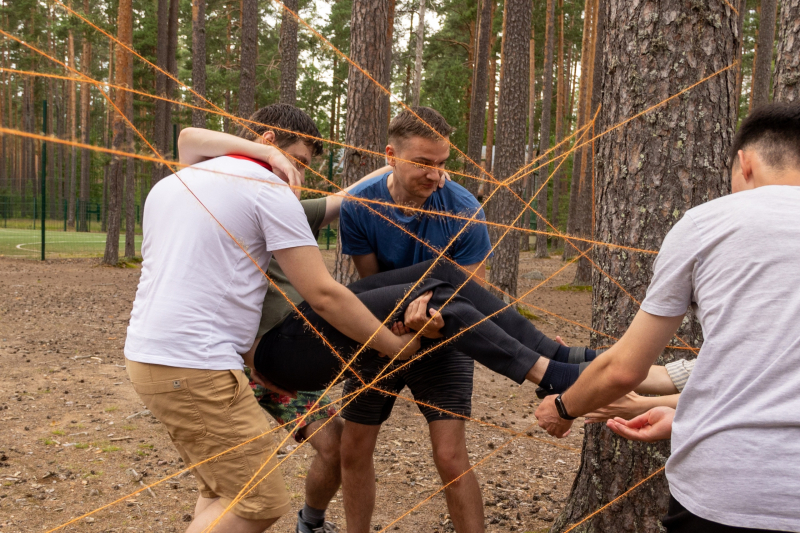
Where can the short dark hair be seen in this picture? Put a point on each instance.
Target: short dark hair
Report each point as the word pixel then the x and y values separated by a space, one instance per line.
pixel 773 130
pixel 283 119
pixel 406 125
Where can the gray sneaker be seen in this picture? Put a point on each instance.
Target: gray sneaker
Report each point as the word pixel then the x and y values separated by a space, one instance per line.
pixel 305 527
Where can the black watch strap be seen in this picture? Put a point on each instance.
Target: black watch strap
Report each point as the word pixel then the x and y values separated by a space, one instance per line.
pixel 562 411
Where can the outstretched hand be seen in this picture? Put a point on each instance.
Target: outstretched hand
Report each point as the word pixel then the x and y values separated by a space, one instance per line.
pixel 628 406
pixel 444 177
pixel 418 317
pixel 654 425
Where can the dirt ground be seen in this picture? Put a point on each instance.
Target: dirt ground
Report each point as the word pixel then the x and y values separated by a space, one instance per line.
pixel 73 438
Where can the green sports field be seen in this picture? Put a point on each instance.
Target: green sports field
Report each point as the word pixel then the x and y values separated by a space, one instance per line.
pixel 27 243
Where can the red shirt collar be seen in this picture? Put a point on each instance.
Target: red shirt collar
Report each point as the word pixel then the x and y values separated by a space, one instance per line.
pixel 256 161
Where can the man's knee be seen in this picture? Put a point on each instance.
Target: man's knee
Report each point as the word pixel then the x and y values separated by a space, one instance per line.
pixel 327 441
pixel 357 444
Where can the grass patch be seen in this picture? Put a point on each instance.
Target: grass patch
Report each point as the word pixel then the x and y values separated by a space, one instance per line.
pixel 57 432
pixel 81 446
pixel 140 453
pixel 527 314
pixel 48 442
pixel 146 446
pixel 575 288
pixel 129 427
pixel 111 409
pixel 109 449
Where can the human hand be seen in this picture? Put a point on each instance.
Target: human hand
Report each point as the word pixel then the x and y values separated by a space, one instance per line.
pixel 444 177
pixel 406 345
pixel 285 168
pixel 259 378
pixel 400 329
pixel 628 406
pixel 561 342
pixel 654 425
pixel 417 317
pixel 549 419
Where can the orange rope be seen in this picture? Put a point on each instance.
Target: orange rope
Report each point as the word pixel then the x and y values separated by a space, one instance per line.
pixel 615 500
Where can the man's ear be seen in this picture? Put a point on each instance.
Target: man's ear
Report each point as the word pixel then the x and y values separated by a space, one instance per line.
pixel 746 164
pixel 267 138
pixel 390 156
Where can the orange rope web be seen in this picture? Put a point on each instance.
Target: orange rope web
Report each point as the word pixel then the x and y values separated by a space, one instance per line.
pixel 505 183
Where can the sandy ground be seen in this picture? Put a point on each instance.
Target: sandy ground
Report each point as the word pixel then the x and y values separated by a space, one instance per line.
pixel 71 438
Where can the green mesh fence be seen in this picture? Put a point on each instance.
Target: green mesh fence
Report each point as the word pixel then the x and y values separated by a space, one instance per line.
pixel 79 235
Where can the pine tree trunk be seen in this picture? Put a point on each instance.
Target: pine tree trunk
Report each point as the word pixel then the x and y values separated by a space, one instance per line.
pixel 247 62
pixel 649 173
pixel 124 66
pixel 199 60
pixel 561 83
pixel 525 237
pixel 288 51
pixel 368 30
pixel 513 104
pixel 544 136
pixel 577 157
pixel 583 211
pixel 172 63
pixel 740 52
pixel 418 61
pixel 762 66
pixel 386 80
pixel 160 111
pixel 72 117
pixel 490 125
pixel 787 66
pixel 86 129
pixel 130 180
pixel 480 87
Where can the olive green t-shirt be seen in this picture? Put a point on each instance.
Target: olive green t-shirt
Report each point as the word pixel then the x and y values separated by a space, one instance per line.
pixel 276 308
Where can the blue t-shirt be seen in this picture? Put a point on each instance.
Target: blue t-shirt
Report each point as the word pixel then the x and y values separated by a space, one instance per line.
pixel 364 232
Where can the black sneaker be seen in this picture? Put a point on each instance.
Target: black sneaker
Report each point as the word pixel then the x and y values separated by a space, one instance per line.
pixel 305 527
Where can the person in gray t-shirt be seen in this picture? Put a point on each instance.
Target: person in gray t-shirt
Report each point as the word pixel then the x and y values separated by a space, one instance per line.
pixel 736 432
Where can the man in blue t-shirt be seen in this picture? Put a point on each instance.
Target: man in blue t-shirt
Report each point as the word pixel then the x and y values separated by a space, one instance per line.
pixel 416 156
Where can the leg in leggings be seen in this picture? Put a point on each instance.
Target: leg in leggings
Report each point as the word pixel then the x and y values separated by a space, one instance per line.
pixel 508 319
pixel 294 356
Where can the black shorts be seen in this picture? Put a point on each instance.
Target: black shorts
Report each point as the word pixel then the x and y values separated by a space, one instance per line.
pixel 442 379
pixel 680 520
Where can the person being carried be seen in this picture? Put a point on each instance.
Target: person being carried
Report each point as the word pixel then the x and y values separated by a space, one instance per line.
pixel 197 308
pixel 417 153
pixel 737 425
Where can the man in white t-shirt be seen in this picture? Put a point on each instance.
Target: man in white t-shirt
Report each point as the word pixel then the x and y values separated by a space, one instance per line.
pixel 209 232
pixel 735 462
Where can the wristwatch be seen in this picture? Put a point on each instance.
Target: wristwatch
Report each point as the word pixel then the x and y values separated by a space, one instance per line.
pixel 562 411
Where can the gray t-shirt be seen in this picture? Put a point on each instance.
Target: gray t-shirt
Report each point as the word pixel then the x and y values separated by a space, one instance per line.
pixel 736 435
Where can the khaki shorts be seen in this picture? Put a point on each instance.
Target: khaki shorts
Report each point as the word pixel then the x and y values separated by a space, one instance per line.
pixel 207 412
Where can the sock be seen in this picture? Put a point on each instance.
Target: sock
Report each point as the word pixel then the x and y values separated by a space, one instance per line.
pixel 559 377
pixel 312 516
pixel 574 355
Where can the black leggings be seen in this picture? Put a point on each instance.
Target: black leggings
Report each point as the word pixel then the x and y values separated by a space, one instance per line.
pixel 295 358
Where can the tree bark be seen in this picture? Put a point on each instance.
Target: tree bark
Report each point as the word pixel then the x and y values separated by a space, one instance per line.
pixel 86 128
pixel 490 120
pixel 649 173
pixel 480 87
pixel 525 238
pixel 288 51
pixel 787 66
pixel 740 51
pixel 161 108
pixel 544 136
pixel 513 104
pixel 130 179
pixel 115 185
pixel 172 63
pixel 418 61
pixel 72 117
pixel 368 30
pixel 386 104
pixel 561 98
pixel 577 156
pixel 199 60
pixel 584 210
pixel 762 67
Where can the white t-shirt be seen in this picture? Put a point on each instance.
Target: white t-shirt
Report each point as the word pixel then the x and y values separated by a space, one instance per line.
pixel 199 298
pixel 736 434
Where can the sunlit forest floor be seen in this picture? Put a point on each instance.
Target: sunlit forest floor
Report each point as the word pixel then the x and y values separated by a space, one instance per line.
pixel 73 437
